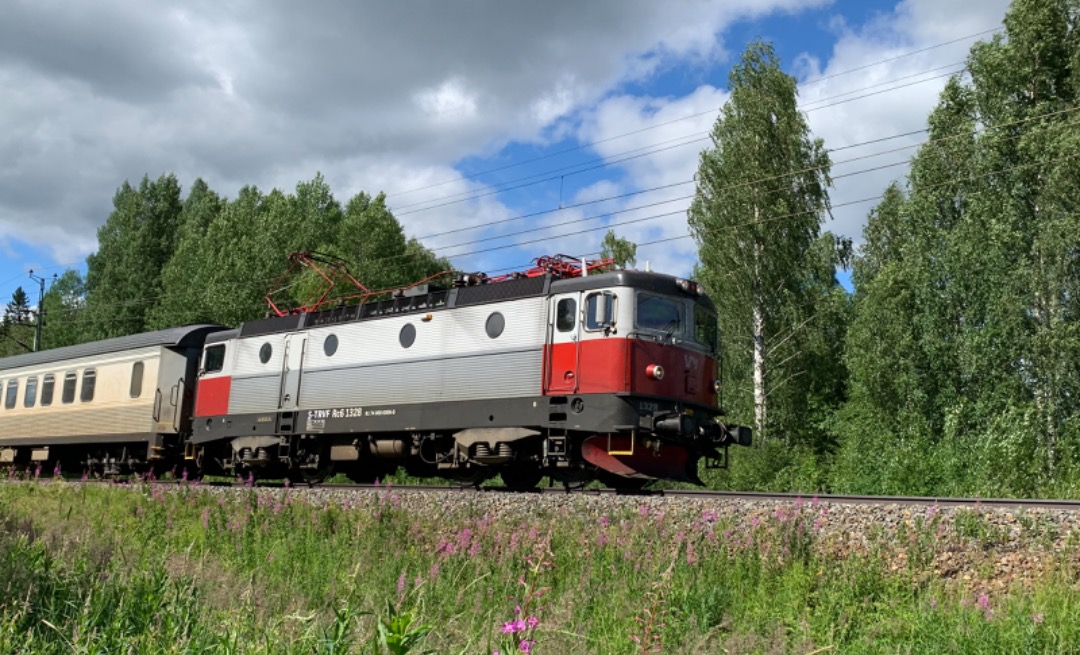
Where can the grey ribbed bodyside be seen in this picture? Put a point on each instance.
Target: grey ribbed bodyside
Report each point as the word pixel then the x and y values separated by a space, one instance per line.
pixel 254 394
pixel 496 375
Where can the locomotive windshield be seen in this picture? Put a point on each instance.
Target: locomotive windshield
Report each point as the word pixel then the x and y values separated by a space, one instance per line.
pixel 659 313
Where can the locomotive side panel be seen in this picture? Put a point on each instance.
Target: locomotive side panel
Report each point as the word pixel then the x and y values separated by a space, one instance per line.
pixel 406 360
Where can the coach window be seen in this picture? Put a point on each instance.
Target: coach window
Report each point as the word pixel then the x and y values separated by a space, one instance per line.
pixel 136 379
pixel 599 310
pixel 12 393
pixel 89 377
pixel 47 385
pixel 266 352
pixel 330 345
pixel 30 395
pixel 71 379
pixel 566 315
pixel 214 360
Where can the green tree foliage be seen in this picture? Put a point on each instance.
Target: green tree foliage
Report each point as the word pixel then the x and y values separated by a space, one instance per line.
pixel 65 308
pixel 231 253
pixel 18 310
pixel 16 328
pixel 181 298
pixel 123 278
pixel 373 243
pixel 761 195
pixel 965 348
pixel 623 251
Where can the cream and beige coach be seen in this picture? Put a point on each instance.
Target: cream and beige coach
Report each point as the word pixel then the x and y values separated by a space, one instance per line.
pixel 107 407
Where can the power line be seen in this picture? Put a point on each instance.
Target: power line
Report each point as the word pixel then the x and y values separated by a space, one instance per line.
pixel 750 183
pixel 561 173
pixel 651 217
pixel 690 116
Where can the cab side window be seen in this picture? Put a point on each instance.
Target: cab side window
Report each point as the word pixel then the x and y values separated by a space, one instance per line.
pixel 599 310
pixel 214 359
pixel 566 315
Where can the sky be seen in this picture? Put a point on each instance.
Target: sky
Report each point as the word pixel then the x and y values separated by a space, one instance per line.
pixel 500 130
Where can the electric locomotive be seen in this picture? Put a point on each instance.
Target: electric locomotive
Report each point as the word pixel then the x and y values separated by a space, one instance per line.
pixel 555 371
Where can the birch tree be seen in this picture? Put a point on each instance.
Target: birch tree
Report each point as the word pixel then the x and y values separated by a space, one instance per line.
pixel 762 191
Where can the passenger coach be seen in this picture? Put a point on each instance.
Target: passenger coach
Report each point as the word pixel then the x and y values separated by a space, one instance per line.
pixel 109 407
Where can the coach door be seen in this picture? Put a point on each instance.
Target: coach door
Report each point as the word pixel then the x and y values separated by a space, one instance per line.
pixel 565 349
pixel 291 370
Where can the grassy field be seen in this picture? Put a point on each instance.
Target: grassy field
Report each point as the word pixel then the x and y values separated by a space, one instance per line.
pixel 94 569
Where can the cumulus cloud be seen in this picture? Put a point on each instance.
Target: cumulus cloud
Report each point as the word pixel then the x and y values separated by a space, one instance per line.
pixel 385 96
pixel 849 99
pixel 377 95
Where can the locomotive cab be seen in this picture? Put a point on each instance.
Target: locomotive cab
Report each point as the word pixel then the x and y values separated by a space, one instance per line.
pixel 635 353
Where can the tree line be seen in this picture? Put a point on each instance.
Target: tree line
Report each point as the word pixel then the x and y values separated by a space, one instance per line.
pixel 165 260
pixel 954 367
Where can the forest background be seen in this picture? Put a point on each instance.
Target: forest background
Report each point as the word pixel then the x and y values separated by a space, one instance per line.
pixel 953 368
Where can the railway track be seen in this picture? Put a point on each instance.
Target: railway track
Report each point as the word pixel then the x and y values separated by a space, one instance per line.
pixel 753 496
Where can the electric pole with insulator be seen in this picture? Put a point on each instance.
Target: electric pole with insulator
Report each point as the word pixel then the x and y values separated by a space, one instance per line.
pixel 40 309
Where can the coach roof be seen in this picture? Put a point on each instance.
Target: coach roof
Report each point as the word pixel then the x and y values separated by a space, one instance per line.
pixel 189 335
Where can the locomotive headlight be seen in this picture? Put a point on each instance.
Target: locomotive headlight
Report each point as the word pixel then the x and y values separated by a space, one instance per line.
pixel 716 385
pixel 689 286
pixel 655 371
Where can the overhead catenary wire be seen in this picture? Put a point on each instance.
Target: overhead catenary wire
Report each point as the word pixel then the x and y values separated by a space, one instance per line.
pixel 673 121
pixel 697 114
pixel 644 244
pixel 394 258
pixel 603 162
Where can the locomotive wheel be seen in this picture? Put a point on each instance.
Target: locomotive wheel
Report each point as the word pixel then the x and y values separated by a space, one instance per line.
pixel 521 478
pixel 310 476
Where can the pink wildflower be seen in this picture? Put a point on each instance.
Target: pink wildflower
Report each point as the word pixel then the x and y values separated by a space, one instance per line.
pixel 1037 619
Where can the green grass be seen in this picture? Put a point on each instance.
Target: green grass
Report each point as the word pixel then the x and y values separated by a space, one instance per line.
pixel 91 569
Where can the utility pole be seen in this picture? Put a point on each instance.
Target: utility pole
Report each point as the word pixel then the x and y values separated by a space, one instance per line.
pixel 40 309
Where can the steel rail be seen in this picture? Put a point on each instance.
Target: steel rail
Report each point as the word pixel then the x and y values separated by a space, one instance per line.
pixel 705 494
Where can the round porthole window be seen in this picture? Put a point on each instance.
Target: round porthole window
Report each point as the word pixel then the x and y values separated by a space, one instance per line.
pixel 265 352
pixel 495 325
pixel 407 336
pixel 330 345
